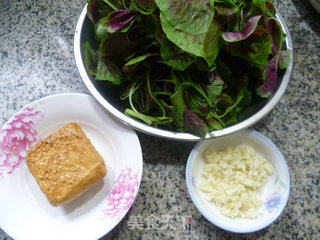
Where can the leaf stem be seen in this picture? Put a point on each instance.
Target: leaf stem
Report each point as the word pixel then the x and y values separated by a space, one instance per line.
pixel 111 5
pixel 132 90
pixel 124 4
pixel 147 119
pixel 162 93
pixel 216 116
pixel 153 97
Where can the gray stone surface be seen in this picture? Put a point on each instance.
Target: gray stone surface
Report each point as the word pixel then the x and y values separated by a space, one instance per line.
pixel 36 60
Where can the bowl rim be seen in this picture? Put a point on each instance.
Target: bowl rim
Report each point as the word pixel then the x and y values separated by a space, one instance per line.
pixel 200 208
pixel 142 127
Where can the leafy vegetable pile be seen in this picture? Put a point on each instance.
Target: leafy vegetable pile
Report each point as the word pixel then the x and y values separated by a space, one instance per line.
pixel 189 65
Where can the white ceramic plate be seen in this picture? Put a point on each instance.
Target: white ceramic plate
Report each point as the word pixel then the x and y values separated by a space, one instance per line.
pixel 25 213
pixel 274 194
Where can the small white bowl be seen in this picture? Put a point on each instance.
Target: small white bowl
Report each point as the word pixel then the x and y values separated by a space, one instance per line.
pixel 274 194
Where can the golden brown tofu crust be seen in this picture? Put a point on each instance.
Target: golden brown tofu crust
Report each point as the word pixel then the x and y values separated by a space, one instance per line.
pixel 65 164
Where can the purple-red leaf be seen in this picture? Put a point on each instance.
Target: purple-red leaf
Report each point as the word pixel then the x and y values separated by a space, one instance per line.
pixel 248 29
pixel 269 85
pixel 117 45
pixel 274 29
pixel 93 10
pixel 117 20
pixel 145 5
pixel 194 123
pixel 212 77
pixel 271 8
pixel 245 13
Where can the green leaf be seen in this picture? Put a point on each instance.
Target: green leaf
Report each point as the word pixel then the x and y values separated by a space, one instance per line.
pixel 187 82
pixel 177 97
pixel 264 7
pixel 159 31
pixel 203 45
pixel 197 103
pixel 230 108
pixel 137 59
pixel 108 71
pixel 211 42
pixel 284 59
pixel 243 97
pixel 174 57
pixel 153 28
pixel 214 124
pixel 245 101
pixel 188 16
pixel 223 101
pixel 91 59
pixel 214 90
pixel 133 63
pixel 225 73
pixel 177 102
pixel 230 118
pixel 190 43
pixel 101 30
pixel 202 65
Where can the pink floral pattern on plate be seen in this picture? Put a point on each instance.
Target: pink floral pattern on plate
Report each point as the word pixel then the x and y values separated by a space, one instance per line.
pixel 16 137
pixel 121 197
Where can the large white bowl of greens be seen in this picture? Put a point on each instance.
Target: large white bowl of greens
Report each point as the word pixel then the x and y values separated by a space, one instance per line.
pixel 184 69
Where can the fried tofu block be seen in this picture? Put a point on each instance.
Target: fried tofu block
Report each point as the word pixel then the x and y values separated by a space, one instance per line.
pixel 65 164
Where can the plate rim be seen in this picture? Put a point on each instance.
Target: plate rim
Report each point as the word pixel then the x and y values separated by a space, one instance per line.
pixel 121 124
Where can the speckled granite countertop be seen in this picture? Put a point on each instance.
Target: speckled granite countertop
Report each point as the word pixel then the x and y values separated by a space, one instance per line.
pixel 36 60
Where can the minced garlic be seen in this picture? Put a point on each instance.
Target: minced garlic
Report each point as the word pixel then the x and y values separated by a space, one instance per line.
pixel 232 179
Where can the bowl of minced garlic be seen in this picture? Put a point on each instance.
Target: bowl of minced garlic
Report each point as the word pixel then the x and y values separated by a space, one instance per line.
pixel 240 182
pixel 232 179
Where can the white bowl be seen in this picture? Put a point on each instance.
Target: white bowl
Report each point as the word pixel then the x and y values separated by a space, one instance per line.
pixel 274 194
